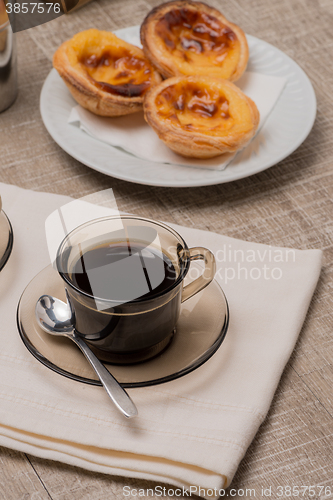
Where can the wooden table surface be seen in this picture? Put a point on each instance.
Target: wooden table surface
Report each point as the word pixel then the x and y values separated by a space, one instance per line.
pixel 288 205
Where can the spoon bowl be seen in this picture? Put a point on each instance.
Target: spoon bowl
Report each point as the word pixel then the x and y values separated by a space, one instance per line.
pixel 54 316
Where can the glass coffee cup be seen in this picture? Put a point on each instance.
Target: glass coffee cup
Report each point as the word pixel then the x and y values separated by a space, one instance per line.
pixel 125 279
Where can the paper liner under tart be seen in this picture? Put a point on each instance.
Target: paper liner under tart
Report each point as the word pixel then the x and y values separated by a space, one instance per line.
pixel 104 74
pixel 191 38
pixel 201 117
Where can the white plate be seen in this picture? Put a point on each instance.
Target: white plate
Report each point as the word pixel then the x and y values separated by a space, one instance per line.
pixel 285 129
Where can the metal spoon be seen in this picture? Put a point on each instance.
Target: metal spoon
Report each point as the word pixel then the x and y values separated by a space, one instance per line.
pixel 57 318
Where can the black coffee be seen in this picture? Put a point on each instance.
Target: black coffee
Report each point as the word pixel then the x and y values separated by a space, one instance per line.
pixel 123 272
pixel 125 332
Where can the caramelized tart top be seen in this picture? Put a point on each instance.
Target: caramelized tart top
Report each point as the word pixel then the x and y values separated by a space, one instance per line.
pixel 111 64
pixel 194 38
pixel 194 106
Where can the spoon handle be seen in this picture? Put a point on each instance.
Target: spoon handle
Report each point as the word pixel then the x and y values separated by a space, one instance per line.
pixel 118 395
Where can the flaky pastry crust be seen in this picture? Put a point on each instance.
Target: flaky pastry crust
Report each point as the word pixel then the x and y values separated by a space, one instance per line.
pixel 192 38
pixel 201 117
pixel 3 14
pixel 105 74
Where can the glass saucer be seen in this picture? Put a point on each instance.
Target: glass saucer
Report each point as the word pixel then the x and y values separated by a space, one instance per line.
pixel 6 239
pixel 200 331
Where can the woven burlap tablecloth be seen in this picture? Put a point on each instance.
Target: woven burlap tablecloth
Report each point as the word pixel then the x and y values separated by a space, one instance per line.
pixel 287 205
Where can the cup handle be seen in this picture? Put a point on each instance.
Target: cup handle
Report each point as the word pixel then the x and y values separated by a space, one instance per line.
pixel 200 253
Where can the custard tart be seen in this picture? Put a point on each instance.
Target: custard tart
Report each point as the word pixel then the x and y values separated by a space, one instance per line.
pixel 3 14
pixel 201 117
pixel 105 74
pixel 191 38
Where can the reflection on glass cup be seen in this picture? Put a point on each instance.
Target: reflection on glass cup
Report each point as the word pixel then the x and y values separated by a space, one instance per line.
pixel 125 278
pixel 8 70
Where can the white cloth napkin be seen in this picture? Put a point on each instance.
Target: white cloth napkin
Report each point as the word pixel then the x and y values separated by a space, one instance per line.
pixel 193 431
pixel 132 134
